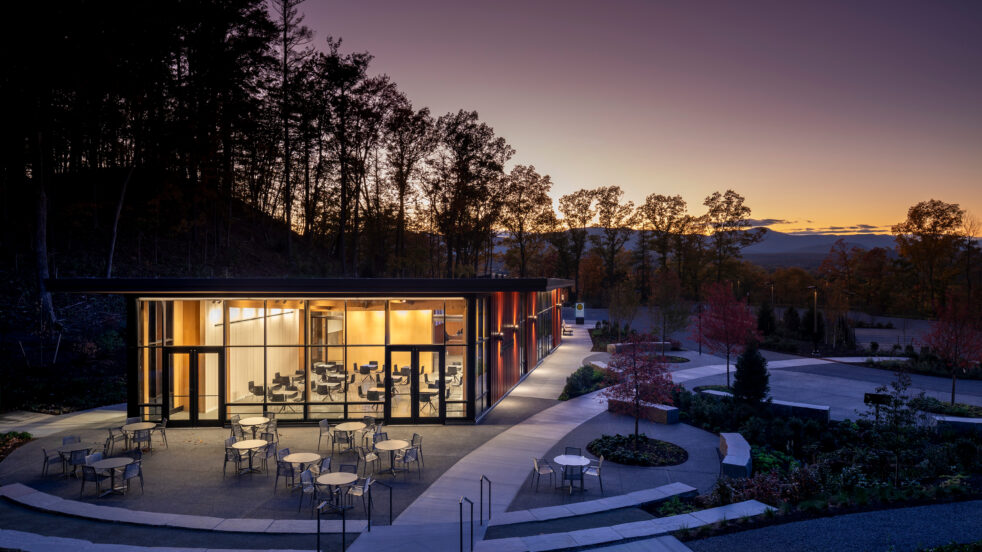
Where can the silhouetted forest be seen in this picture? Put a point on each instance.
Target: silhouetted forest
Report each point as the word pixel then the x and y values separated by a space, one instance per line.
pixel 226 139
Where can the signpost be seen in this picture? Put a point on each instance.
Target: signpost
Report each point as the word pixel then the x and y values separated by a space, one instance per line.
pixel 580 314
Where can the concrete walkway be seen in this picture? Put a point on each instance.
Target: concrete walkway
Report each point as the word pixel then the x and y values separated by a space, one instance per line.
pixel 43 425
pixel 506 459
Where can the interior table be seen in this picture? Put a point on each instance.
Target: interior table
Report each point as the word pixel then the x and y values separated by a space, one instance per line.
pixel 253 423
pixel 335 479
pixel 111 464
pixel 566 460
pixel 250 445
pixel 392 445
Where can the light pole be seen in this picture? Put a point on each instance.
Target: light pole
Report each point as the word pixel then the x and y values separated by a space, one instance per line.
pixel 814 320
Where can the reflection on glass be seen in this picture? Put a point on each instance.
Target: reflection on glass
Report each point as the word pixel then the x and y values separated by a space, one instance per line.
pixel 180 394
pixel 207 386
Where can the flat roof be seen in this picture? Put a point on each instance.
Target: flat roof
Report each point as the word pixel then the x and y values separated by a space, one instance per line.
pixel 299 287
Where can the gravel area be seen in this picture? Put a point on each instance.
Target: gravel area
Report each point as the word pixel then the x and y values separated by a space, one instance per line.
pixel 900 530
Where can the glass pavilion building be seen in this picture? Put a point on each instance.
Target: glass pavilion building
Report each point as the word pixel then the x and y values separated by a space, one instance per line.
pixel 405 350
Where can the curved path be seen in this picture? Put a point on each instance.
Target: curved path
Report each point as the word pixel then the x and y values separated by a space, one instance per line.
pixel 506 458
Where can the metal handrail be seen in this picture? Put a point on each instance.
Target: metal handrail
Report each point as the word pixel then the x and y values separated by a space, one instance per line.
pixel 334 509
pixel 461 502
pixel 480 516
pixel 387 486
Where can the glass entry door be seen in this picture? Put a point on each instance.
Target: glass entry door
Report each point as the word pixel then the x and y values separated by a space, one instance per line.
pixel 194 383
pixel 414 384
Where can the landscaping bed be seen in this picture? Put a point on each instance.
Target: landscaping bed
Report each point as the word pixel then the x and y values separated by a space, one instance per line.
pixel 11 440
pixel 810 469
pixel 622 449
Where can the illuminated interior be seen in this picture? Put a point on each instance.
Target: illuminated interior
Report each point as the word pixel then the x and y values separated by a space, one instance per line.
pixel 304 359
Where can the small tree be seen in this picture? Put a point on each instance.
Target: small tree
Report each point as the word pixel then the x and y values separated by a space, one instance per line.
pixel 638 375
pixel 956 338
pixel 751 382
pixel 791 320
pixel 727 324
pixel 766 322
pixel 623 306
pixel 667 308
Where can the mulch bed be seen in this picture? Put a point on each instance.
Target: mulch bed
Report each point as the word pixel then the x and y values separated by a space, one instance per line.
pixel 12 440
pixel 621 449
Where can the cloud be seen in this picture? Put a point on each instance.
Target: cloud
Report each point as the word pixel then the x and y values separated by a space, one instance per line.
pixel 768 222
pixel 833 230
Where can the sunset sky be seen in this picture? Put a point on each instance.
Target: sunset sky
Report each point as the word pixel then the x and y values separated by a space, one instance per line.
pixel 824 114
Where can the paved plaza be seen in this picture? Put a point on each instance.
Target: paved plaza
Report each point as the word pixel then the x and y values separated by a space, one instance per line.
pixel 187 477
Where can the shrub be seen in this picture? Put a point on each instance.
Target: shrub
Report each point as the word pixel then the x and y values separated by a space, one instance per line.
pixel 623 449
pixel 586 379
pixel 930 404
pixel 751 381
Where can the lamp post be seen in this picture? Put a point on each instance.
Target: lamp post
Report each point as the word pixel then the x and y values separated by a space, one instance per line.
pixel 814 320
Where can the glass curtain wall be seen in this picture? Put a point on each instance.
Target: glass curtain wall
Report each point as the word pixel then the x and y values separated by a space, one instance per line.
pixel 307 359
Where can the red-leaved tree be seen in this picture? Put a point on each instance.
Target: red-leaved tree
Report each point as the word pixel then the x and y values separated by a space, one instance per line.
pixel 956 337
pixel 638 375
pixel 726 324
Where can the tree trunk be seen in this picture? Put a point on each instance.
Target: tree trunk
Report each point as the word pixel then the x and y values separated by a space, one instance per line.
pixel 954 376
pixel 48 317
pixel 119 210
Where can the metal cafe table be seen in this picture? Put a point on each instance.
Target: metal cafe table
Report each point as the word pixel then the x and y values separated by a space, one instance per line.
pixel 392 445
pixel 350 427
pixel 335 479
pixel 111 464
pixel 301 458
pixel 565 460
pixel 249 445
pixel 253 423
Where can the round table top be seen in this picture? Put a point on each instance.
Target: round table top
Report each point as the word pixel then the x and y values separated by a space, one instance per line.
pixel 392 444
pixel 110 463
pixel 337 478
pixel 138 426
pixel 301 457
pixel 72 447
pixel 571 460
pixel 254 421
pixel 249 444
pixel 350 426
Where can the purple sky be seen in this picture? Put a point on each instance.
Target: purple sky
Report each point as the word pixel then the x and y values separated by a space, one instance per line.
pixel 824 113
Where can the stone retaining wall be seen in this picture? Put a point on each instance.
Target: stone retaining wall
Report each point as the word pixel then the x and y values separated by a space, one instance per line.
pixel 658 413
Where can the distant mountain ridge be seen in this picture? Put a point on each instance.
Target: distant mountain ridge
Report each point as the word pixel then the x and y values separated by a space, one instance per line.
pixel 779 242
